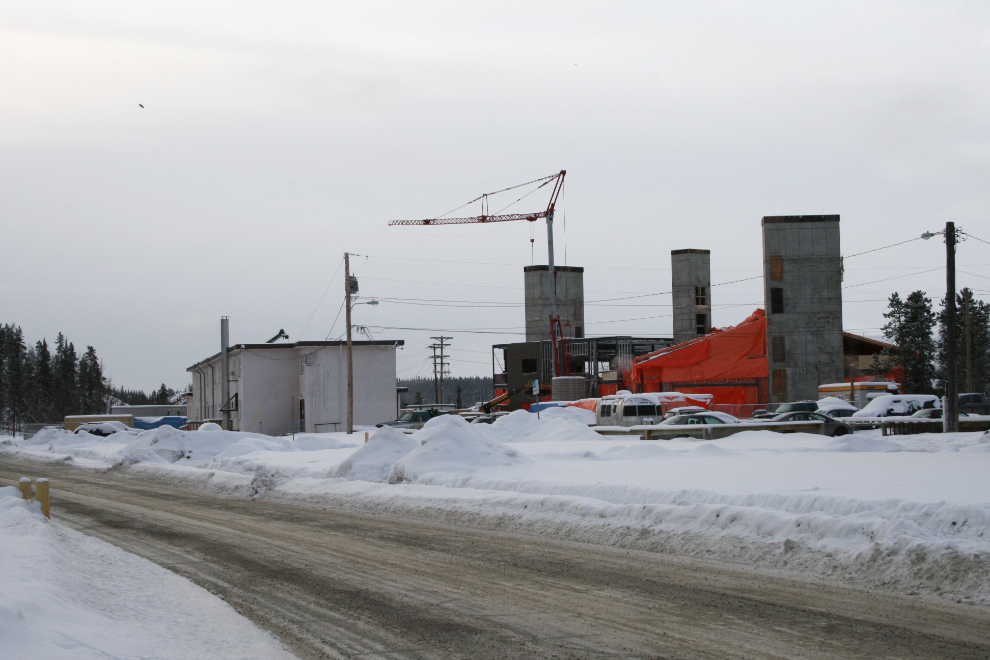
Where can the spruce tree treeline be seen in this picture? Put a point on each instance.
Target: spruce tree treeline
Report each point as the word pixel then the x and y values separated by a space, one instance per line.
pixel 42 384
pixel 39 386
pixel 469 390
pixel 918 360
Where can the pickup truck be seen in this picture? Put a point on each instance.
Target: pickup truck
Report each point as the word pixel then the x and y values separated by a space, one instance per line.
pixel 974 404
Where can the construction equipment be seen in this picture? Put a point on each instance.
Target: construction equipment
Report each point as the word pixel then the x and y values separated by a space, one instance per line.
pixel 561 363
pixel 489 406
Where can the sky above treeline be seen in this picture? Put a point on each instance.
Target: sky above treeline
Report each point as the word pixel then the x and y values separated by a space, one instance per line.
pixel 276 136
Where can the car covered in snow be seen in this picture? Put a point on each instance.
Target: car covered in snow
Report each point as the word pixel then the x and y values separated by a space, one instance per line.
pixel 102 429
pixel 414 419
pixel 932 413
pixel 898 405
pixel 706 417
pixel 684 410
pixel 833 427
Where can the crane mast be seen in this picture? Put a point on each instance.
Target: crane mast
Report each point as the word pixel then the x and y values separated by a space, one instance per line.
pixel 559 353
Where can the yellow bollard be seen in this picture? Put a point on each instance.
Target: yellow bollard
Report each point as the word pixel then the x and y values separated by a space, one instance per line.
pixel 25 485
pixel 366 436
pixel 41 488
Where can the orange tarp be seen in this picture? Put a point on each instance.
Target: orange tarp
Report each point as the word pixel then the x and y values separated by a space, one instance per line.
pixel 736 353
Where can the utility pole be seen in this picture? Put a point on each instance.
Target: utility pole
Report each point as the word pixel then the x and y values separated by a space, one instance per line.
pixel 225 369
pixel 967 302
pixel 951 412
pixel 852 383
pixel 350 360
pixel 436 378
pixel 438 373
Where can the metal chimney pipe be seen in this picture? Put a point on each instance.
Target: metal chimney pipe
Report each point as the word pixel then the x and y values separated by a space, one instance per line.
pixel 225 370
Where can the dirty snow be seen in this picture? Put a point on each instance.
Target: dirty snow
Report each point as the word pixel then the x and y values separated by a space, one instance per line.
pixel 904 513
pixel 65 595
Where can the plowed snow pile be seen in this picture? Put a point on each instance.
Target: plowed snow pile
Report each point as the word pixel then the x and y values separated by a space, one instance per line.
pixel 450 447
pixel 905 513
pixel 67 596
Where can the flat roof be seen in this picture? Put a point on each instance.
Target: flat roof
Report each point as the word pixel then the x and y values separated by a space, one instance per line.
pixel 301 344
pixel 559 269
pixel 774 219
pixel 691 251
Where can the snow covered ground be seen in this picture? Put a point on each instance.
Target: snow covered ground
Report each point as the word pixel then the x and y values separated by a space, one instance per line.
pixel 65 595
pixel 909 514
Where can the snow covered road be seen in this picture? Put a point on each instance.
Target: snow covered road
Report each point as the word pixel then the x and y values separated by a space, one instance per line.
pixel 332 584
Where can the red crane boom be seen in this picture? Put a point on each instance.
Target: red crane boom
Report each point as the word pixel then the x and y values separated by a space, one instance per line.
pixel 560 361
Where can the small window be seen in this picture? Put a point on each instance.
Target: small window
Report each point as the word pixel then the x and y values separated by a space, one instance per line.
pixel 779 349
pixel 630 411
pixel 579 332
pixel 780 381
pixel 701 324
pixel 700 298
pixel 529 366
pixel 776 267
pixel 776 300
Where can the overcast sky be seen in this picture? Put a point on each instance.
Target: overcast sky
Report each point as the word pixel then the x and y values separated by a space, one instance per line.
pixel 276 136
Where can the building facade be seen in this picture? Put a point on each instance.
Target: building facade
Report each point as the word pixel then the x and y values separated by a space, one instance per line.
pixel 803 301
pixel 570 301
pixel 297 387
pixel 691 282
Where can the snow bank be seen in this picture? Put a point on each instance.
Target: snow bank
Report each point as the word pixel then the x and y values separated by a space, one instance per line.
pixel 451 448
pixel 67 596
pixel 904 513
pixel 376 458
pixel 560 424
pixel 169 445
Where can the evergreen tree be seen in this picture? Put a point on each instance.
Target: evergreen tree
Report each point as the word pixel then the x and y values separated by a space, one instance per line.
pixel 65 366
pixel 977 314
pixel 14 377
pixel 163 396
pixel 418 399
pixel 91 384
pixel 457 401
pixel 909 327
pixel 44 383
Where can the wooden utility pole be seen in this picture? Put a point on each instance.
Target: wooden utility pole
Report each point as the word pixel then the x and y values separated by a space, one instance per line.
pixel 440 367
pixel 951 412
pixel 350 360
pixel 967 301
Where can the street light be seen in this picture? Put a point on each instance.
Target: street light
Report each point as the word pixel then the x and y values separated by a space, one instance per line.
pixel 950 413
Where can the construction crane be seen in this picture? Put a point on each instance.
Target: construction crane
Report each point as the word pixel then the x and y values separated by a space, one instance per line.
pixel 561 365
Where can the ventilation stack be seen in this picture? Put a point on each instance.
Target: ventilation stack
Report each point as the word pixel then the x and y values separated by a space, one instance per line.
pixel 691 282
pixel 803 300
pixel 570 301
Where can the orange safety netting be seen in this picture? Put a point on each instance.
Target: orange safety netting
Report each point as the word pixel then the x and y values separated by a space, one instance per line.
pixel 736 353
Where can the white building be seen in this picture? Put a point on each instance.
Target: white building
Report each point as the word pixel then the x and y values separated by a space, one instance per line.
pixel 301 386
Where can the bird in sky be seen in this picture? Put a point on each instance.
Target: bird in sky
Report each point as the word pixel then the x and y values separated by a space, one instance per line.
pixel 140 106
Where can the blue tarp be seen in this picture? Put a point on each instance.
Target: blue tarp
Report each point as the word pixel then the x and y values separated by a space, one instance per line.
pixel 145 423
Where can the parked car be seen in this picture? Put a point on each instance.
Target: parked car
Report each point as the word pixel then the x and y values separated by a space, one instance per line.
pixel 933 413
pixel 898 405
pixel 102 429
pixel 833 427
pixel 414 419
pixel 707 417
pixel 974 404
pixel 684 410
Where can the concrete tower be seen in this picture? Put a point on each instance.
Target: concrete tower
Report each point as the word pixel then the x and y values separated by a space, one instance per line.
pixel 691 282
pixel 802 275
pixel 570 301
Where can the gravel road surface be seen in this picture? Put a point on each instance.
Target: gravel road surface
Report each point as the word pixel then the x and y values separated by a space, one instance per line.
pixel 333 585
